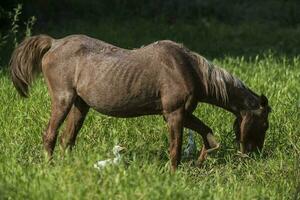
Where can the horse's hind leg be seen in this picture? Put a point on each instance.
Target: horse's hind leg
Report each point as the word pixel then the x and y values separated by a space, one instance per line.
pixel 60 105
pixel 75 120
pixel 209 141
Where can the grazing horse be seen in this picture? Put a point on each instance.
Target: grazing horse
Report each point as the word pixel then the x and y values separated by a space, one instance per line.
pixel 162 78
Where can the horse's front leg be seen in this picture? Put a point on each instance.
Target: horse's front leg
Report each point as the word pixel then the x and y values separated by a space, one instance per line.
pixel 175 125
pixel 210 143
pixel 75 121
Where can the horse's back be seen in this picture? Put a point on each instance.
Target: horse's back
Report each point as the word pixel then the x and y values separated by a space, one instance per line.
pixel 79 45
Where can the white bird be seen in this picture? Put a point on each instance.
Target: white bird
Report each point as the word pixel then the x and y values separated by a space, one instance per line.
pixel 116 151
pixel 191 147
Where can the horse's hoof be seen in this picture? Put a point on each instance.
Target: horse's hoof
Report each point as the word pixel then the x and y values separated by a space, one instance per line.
pixel 212 140
pixel 216 147
pixel 48 158
pixel 199 163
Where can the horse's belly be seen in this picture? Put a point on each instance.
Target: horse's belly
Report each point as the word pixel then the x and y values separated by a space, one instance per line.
pixel 130 110
pixel 122 103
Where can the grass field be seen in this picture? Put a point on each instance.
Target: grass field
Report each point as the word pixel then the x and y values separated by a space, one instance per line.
pixel 275 174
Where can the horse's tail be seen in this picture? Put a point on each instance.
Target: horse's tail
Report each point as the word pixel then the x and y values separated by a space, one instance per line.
pixel 26 61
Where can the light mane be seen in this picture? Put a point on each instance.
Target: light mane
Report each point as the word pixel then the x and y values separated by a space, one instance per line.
pixel 215 79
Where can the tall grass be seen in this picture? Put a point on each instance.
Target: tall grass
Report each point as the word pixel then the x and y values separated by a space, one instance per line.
pixel 275 174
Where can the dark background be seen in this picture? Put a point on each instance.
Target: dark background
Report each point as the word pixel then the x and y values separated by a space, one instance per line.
pixel 213 28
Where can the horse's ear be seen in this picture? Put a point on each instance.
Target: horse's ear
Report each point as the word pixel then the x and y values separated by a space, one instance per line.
pixel 263 101
pixel 264 104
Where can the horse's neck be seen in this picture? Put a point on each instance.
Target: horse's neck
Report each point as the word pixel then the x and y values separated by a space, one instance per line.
pixel 243 99
pixel 222 89
pixel 239 98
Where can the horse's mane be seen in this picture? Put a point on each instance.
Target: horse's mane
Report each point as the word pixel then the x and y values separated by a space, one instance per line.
pixel 215 79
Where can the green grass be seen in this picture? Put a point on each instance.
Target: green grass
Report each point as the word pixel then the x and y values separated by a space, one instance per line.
pixel 274 174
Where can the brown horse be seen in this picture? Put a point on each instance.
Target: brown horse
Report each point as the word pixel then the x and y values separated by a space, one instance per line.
pixel 162 78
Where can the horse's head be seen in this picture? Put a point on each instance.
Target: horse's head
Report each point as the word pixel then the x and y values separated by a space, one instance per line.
pixel 251 127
